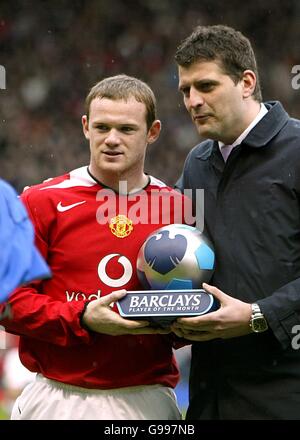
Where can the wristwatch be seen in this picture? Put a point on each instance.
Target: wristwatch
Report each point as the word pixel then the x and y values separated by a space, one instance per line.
pixel 258 322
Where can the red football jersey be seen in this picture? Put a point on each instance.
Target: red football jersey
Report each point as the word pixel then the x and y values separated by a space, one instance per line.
pixel 90 237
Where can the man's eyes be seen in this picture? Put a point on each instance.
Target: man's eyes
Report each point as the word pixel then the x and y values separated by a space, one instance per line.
pixel 202 87
pixel 102 127
pixel 124 129
pixel 127 129
pixel 185 91
pixel 206 87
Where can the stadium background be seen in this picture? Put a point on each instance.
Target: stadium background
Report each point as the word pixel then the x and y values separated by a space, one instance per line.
pixel 54 51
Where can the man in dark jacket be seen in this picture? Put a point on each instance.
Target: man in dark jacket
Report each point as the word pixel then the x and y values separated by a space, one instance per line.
pixel 245 357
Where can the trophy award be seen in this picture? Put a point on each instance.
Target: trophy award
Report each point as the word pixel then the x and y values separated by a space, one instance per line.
pixel 172 264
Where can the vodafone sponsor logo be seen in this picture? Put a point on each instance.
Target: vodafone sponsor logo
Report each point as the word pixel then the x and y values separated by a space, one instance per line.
pixel 126 271
pixel 81 296
pixel 115 282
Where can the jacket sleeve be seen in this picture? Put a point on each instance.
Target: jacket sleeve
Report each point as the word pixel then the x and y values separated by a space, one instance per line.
pixel 282 311
pixel 282 308
pixel 37 315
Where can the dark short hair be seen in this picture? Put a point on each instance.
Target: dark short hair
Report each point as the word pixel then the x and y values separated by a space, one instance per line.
pixel 123 87
pixel 220 43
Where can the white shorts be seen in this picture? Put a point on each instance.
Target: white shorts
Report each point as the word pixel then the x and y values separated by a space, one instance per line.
pixel 46 399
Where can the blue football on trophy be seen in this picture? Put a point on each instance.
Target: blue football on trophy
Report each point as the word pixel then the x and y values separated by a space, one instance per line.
pixel 175 257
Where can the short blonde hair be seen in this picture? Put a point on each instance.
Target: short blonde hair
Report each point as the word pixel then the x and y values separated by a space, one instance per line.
pixel 123 87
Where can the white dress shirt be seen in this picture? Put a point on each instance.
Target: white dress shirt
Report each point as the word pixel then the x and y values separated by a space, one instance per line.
pixel 226 149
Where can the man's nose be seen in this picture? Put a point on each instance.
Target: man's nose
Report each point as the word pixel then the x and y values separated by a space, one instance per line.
pixel 112 138
pixel 195 99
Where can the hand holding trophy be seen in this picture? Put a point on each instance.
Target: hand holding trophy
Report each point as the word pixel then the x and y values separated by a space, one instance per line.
pixel 172 264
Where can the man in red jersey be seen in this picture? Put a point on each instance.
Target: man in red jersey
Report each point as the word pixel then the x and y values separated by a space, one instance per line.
pixel 91 362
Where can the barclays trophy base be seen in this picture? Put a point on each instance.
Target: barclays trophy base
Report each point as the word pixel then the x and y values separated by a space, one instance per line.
pixel 162 307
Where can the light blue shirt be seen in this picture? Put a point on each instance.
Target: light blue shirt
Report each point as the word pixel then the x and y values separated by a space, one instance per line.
pixel 20 261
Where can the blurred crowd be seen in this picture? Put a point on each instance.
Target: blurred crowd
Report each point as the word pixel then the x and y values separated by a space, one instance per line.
pixel 54 51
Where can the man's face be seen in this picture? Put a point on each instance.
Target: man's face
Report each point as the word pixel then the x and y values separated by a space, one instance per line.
pixel 118 136
pixel 214 101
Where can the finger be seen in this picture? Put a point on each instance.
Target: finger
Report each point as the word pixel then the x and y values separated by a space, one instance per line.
pixel 201 323
pixel 152 331
pixel 178 332
pixel 132 324
pixel 107 300
pixel 198 336
pixel 217 293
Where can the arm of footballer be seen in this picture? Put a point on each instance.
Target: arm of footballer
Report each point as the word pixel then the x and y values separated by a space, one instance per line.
pixel 99 317
pixel 230 320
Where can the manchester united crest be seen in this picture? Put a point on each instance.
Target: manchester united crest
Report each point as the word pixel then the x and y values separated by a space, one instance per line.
pixel 121 226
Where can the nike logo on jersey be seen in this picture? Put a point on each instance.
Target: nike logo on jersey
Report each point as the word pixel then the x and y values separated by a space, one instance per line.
pixel 62 208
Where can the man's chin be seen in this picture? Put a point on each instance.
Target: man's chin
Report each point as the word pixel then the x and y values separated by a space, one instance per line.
pixel 205 134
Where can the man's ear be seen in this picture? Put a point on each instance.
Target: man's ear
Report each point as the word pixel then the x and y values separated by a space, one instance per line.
pixel 249 83
pixel 85 126
pixel 154 132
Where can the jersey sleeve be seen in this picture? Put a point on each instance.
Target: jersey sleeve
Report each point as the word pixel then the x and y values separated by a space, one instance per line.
pixel 36 314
